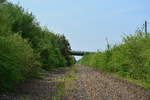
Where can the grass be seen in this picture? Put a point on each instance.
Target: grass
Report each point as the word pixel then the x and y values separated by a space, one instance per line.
pixel 65 84
pixel 65 79
pixel 54 98
pixel 72 71
pixel 137 82
pixel 70 76
pixel 25 98
pixel 130 59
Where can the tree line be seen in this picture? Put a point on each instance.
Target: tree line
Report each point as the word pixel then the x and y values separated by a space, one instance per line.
pixel 26 48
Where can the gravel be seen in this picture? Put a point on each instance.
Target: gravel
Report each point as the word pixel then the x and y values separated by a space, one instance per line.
pixel 97 85
pixel 37 89
pixel 91 84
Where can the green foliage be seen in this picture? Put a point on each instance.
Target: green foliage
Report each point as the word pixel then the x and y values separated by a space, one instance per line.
pixel 129 59
pixel 65 49
pixel 53 49
pixel 26 47
pixel 17 61
pixel 2 1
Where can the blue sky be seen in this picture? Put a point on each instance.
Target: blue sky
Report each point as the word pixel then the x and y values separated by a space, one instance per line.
pixel 86 23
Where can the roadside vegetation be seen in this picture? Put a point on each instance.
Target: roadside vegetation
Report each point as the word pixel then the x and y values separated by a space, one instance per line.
pixel 26 47
pixel 129 60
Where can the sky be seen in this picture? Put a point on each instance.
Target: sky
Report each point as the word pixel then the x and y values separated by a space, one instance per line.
pixel 87 23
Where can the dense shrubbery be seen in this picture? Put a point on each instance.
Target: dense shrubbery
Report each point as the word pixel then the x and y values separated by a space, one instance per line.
pixel 26 47
pixel 129 59
pixel 17 61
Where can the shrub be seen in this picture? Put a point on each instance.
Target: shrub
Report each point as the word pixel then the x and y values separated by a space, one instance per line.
pixel 53 49
pixel 129 59
pixel 25 46
pixel 17 61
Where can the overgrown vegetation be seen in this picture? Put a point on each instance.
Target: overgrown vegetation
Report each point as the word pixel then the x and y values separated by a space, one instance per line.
pixel 130 59
pixel 26 47
pixel 66 84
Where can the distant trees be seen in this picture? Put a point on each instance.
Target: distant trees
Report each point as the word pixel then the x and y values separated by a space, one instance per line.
pixel 26 47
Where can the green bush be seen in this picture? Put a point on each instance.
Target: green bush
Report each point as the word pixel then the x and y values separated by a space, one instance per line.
pixel 53 49
pixel 129 59
pixel 17 61
pixel 26 47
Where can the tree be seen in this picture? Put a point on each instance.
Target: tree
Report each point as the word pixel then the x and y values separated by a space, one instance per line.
pixel 2 1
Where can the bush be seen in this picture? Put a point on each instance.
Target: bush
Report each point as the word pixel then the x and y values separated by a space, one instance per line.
pixel 17 61
pixel 26 47
pixel 53 49
pixel 129 59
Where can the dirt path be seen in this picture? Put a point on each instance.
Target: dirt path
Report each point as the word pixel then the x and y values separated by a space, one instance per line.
pixel 79 83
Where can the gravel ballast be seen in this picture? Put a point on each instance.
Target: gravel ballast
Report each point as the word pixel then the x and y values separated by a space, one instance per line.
pixel 87 84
